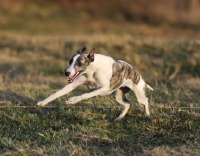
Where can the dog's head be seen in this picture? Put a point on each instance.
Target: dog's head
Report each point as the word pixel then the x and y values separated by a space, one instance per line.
pixel 78 64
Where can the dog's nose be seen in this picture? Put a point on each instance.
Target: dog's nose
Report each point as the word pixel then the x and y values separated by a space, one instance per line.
pixel 67 73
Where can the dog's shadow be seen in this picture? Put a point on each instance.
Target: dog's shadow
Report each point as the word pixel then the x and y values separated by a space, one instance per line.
pixel 12 98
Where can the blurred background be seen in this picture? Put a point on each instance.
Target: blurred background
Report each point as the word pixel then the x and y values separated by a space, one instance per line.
pixel 48 16
pixel 161 36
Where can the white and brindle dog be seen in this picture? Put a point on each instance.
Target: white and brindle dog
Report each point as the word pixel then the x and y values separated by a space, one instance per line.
pixel 103 75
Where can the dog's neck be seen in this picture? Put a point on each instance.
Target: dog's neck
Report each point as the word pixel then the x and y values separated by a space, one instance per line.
pixel 101 62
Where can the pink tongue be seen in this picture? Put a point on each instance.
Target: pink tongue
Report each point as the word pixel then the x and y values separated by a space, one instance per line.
pixel 71 79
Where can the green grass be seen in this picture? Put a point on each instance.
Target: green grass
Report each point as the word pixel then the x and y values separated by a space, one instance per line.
pixel 30 72
pixel 31 68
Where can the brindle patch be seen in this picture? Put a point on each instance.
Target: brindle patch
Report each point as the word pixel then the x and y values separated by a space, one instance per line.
pixel 123 70
pixel 81 63
pixel 71 60
pixel 92 85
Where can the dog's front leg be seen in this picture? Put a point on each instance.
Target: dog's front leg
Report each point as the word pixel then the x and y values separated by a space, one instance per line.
pixel 68 88
pixel 59 93
pixel 76 99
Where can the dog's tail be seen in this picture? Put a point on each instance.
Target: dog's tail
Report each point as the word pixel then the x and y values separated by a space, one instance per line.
pixel 149 87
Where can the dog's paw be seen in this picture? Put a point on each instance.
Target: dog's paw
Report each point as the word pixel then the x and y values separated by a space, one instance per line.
pixel 119 118
pixel 40 104
pixel 147 115
pixel 72 100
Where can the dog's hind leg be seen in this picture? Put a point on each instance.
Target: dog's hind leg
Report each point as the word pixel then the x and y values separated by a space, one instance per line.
pixel 140 93
pixel 121 99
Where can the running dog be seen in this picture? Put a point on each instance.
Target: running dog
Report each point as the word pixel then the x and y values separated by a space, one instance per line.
pixel 102 75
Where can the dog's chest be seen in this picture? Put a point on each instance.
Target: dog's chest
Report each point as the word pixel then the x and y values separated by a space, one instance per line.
pixel 93 83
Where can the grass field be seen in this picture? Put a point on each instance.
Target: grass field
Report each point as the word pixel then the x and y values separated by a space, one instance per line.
pixel 33 57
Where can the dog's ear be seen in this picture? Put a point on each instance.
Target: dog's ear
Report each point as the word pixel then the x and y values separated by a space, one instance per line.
pixel 91 55
pixel 81 50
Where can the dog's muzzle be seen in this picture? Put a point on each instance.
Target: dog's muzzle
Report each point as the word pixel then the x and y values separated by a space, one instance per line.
pixel 71 78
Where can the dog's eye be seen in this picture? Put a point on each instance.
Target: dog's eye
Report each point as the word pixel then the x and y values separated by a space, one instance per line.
pixel 79 63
